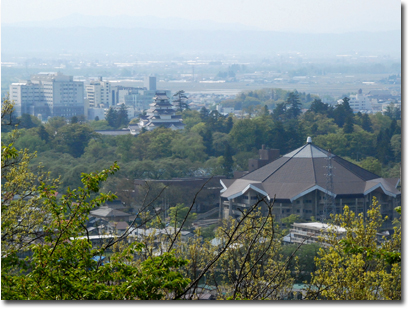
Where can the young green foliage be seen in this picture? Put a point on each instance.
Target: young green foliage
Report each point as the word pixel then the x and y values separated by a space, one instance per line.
pixel 61 262
pixel 358 267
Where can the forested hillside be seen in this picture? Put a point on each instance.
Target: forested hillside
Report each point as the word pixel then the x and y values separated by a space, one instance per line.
pixel 213 144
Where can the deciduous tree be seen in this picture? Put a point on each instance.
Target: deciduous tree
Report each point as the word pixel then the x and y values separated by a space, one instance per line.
pixel 358 267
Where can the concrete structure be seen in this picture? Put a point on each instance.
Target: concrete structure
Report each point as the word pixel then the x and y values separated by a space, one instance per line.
pixel 113 132
pixel 308 233
pixel 132 113
pixel 300 184
pixel 48 95
pixel 359 102
pixel 266 156
pixel 225 111
pixel 150 83
pixel 137 97
pixel 99 93
pixel 93 112
pixel 26 96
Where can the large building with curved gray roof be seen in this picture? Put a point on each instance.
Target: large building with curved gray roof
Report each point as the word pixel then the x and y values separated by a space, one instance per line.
pixel 301 185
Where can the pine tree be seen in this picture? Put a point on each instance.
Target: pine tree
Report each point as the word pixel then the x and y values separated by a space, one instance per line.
pixel 112 117
pixel 204 114
pixel 74 119
pixel 180 101
pixel 229 125
pixel 342 111
pixel 43 134
pixel 122 119
pixel 366 123
pixel 349 125
pixel 279 112
pixel 294 109
pixel 318 107
pixel 228 161
pixel 266 112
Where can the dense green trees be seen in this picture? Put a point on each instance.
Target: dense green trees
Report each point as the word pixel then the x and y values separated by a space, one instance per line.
pixel 62 263
pixel 27 121
pixel 201 145
pixel 73 139
pixel 342 112
pixel 117 119
pixel 178 214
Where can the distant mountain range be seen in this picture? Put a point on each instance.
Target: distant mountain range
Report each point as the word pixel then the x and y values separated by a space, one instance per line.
pixel 124 21
pixel 79 33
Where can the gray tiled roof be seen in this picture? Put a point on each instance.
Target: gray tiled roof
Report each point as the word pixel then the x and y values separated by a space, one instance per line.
pixel 113 132
pixel 304 170
pixel 108 212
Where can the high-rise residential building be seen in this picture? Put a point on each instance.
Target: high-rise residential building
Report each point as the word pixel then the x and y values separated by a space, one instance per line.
pixel 25 96
pixel 99 93
pixel 48 95
pixel 150 83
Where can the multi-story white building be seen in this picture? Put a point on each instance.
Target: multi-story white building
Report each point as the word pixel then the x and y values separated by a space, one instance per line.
pixel 25 95
pixel 359 102
pixel 139 98
pixel 312 232
pixel 99 93
pixel 49 95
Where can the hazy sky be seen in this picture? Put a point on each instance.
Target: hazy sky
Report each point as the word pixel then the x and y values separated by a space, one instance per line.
pixel 276 15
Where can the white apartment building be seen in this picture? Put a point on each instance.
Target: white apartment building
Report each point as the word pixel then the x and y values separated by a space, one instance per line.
pixel 25 94
pixel 49 95
pixel 359 102
pixel 99 93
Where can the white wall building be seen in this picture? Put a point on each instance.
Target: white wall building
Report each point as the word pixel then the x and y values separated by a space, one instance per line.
pixel 130 110
pixel 49 95
pixel 359 102
pixel 99 93
pixel 25 94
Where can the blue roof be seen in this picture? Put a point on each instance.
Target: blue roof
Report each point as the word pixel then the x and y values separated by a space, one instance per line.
pixel 98 258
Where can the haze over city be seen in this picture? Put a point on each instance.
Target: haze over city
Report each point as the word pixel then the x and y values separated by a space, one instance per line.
pixel 318 16
pixel 222 149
